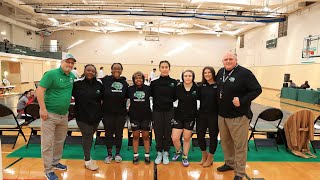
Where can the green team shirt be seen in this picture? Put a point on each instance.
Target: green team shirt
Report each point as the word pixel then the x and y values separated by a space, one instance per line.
pixel 59 90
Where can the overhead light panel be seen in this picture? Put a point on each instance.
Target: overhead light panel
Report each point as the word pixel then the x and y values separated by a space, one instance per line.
pixel 135 10
pixel 94 30
pixel 54 21
pixel 75 44
pixel 266 9
pixel 204 27
pixel 126 25
pixel 243 2
pixel 115 31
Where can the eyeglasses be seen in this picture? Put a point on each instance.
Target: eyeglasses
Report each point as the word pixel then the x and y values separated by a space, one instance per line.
pixel 70 62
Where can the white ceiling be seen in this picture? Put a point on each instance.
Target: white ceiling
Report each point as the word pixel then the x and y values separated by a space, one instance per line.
pixel 230 17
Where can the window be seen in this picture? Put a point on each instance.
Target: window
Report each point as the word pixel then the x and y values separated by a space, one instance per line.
pixel 283 28
pixel 242 41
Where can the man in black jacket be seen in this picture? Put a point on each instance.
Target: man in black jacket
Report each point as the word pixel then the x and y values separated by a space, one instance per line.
pixel 237 87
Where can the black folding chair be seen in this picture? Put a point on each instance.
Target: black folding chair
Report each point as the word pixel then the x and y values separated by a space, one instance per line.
pixel 35 125
pixel 130 134
pixel 316 143
pixel 9 122
pixel 263 126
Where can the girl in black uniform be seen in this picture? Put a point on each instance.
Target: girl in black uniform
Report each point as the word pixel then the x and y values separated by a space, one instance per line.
pixel 163 96
pixel 115 89
pixel 185 114
pixel 140 115
pixel 87 94
pixel 208 115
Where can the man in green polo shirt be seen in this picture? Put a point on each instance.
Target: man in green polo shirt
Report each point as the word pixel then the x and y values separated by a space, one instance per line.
pixel 54 94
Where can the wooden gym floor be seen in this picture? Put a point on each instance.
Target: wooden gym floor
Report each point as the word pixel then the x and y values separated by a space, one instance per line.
pixel 30 168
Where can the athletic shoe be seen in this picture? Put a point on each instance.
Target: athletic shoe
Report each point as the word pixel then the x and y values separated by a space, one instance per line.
pixel 176 155
pixel 91 165
pixel 60 166
pixel 118 158
pixel 147 160
pixel 158 158
pixel 135 160
pixel 51 176
pixel 108 159
pixel 185 161
pixel 165 157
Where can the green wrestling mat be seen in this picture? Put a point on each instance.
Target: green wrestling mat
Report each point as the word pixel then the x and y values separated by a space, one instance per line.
pixel 264 154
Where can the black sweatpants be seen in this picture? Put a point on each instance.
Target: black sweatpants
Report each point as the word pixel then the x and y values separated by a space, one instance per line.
pixel 87 131
pixel 162 129
pixel 205 121
pixel 113 125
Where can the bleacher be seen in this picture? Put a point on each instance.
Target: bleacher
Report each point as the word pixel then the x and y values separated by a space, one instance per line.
pixel 27 51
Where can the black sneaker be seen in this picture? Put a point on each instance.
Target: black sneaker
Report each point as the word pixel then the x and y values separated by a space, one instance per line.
pixel 135 160
pixel 147 160
pixel 224 168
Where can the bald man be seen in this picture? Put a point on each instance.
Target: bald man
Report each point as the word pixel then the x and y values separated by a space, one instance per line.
pixel 237 87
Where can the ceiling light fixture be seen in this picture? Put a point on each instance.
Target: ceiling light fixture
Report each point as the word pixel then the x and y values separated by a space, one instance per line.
pixel 75 44
pixel 204 27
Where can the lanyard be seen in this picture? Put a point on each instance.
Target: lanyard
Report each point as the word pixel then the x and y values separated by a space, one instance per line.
pixel 224 79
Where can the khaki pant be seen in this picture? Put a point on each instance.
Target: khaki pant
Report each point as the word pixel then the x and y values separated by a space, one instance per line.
pixel 234 141
pixel 54 131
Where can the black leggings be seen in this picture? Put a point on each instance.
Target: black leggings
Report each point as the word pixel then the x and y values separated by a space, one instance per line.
pixel 113 125
pixel 205 121
pixel 87 131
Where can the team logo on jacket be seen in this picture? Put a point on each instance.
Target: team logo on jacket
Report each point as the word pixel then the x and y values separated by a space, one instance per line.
pixel 133 125
pixel 98 91
pixel 139 96
pixel 71 80
pixel 231 79
pixel 194 93
pixel 171 84
pixel 117 87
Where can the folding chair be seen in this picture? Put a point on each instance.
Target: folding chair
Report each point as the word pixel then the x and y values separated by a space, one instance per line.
pixel 9 122
pixel 35 125
pixel 316 143
pixel 102 140
pixel 130 134
pixel 195 142
pixel 72 127
pixel 99 140
pixel 263 126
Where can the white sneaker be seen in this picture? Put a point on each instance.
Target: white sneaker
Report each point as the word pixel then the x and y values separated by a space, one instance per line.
pixel 91 165
pixel 165 157
pixel 118 158
pixel 108 159
pixel 158 158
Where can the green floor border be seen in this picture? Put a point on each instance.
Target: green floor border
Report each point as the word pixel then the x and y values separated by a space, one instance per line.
pixel 264 154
